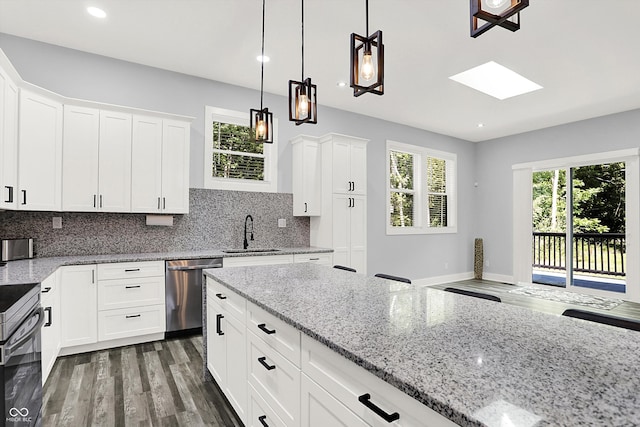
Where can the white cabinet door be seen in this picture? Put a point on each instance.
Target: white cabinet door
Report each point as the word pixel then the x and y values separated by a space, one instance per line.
pixel 115 162
pixel 39 153
pixel 50 301
pixel 358 233
pixel 320 409
pixel 146 164
pixel 176 140
pixel 306 177
pixel 78 305
pixel 341 167
pixel 80 159
pixel 341 221
pixel 216 351
pixel 358 167
pixel 8 142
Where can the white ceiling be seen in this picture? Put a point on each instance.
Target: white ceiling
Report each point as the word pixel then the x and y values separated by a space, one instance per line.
pixel 585 53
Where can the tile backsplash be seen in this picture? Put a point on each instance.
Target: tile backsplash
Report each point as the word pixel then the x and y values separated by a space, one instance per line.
pixel 215 221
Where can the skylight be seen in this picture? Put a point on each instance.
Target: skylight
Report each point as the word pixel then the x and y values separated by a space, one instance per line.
pixel 496 80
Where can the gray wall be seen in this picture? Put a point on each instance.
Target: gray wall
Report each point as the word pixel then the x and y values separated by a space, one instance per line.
pixel 81 75
pixel 215 221
pixel 495 177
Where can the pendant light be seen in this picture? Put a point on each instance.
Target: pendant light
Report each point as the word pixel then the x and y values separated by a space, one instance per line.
pixel 302 94
pixel 367 61
pixel 261 121
pixel 503 13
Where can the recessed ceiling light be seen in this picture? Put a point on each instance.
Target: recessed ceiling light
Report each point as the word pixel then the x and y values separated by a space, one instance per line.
pixel 97 12
pixel 341 84
pixel 496 80
pixel 480 125
pixel 264 58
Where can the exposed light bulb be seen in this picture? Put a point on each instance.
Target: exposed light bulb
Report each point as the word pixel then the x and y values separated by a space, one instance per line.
pixel 261 130
pixel 495 4
pixel 366 70
pixel 303 105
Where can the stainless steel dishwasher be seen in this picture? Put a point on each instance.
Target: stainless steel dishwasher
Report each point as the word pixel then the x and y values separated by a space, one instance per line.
pixel 183 281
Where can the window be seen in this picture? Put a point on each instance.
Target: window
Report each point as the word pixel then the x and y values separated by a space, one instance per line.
pixel 421 190
pixel 233 161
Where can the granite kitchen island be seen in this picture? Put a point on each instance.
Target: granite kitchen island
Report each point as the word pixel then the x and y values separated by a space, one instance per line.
pixel 473 361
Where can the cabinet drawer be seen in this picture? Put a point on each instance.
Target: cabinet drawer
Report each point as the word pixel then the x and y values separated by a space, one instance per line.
pixel 275 378
pixel 320 409
pixel 227 299
pixel 346 382
pixel 130 322
pixel 128 270
pixel 276 333
pixel 323 258
pixel 257 260
pixel 261 413
pixel 125 293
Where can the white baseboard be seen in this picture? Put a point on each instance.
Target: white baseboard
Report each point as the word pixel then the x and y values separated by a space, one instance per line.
pixel 103 345
pixel 503 278
pixel 439 280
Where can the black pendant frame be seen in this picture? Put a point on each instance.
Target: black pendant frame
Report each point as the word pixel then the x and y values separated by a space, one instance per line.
pixel 360 46
pixel 255 117
pixel 297 89
pixel 492 20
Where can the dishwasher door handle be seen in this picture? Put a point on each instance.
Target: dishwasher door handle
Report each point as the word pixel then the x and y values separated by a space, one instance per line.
pixel 194 267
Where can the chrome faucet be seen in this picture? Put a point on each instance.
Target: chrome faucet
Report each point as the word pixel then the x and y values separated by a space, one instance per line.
pixel 246 242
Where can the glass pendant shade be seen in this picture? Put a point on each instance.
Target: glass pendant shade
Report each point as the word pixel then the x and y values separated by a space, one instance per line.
pixel 367 64
pixel 302 102
pixel 486 14
pixel 261 124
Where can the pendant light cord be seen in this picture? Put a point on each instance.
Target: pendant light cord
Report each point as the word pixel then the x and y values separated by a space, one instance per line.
pixel 366 34
pixel 262 62
pixel 302 78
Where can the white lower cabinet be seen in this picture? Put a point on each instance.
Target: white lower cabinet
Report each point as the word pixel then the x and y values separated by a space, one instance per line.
pixel 78 304
pixel 130 322
pixel 244 261
pixel 320 409
pixel 50 344
pixel 319 258
pixel 261 414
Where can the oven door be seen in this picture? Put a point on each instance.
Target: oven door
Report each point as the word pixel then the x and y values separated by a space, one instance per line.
pixel 21 374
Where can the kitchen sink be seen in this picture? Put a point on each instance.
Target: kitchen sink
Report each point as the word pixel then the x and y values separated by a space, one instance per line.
pixel 248 251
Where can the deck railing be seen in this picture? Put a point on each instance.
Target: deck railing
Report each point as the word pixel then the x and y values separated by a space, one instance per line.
pixel 597 253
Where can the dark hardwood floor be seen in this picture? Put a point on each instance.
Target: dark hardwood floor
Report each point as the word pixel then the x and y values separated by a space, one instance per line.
pixel 152 384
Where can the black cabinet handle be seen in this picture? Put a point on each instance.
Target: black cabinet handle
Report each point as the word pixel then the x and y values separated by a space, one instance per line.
pixel 48 311
pixel 132 316
pixel 45 290
pixel 132 287
pixel 263 328
pixel 131 270
pixel 10 197
pixel 263 362
pixel 349 202
pixel 164 203
pixel 220 296
pixel 101 200
pixel 158 203
pixel 314 259
pixel 365 399
pixel 24 197
pixel 94 200
pixel 262 419
pixel 305 206
pixel 218 318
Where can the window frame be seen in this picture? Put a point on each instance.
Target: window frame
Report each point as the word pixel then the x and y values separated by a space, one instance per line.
pixel 420 190
pixel 270 182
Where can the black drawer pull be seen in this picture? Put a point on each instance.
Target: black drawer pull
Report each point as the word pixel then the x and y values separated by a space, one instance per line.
pixel 49 318
pixel 314 259
pixel 132 287
pixel 262 419
pixel 218 318
pixel 10 199
pixel 365 399
pixel 132 316
pixel 263 362
pixel 129 270
pixel 263 328
pixel 47 289
pixel 221 296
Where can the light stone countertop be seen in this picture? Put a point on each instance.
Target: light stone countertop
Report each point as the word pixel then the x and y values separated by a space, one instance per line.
pixel 477 362
pixel 37 269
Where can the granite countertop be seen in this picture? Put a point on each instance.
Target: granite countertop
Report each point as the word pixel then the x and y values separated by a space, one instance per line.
pixel 477 362
pixel 37 269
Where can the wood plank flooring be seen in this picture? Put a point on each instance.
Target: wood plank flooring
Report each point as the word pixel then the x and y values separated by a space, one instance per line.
pixel 152 384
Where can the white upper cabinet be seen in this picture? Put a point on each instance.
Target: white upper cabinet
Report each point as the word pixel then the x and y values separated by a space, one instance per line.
pixel 348 164
pixel 8 141
pixel 307 176
pixel 114 180
pixel 96 160
pixel 39 152
pixel 160 165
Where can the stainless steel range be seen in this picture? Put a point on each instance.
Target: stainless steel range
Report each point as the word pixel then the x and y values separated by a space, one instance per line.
pixel 21 319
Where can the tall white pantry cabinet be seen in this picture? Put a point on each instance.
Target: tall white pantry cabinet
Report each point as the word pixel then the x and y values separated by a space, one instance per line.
pixel 340 222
